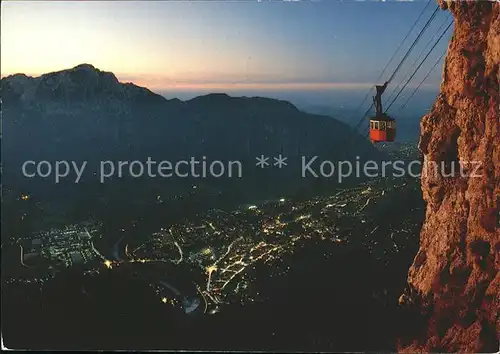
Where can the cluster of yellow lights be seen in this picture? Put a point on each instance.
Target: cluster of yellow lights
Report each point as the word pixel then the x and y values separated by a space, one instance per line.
pixel 302 217
pixel 168 301
pixel 211 269
pixel 206 251
pixel 108 264
pixel 25 197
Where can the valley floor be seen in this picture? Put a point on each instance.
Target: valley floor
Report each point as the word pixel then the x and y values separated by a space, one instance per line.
pixel 323 273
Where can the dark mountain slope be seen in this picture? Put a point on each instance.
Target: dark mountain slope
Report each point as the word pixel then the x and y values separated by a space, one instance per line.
pixel 84 114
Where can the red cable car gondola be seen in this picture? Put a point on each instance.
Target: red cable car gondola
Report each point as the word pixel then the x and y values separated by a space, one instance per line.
pixel 382 127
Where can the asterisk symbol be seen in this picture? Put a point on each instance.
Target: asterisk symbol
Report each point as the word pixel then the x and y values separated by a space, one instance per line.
pixel 280 161
pixel 262 161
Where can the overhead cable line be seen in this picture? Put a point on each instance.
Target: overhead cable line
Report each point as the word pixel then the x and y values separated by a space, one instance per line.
pixel 418 58
pixel 418 67
pixel 421 82
pixel 402 60
pixel 414 43
pixel 394 55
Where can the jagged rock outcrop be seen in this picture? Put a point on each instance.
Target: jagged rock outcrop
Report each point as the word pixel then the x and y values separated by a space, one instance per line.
pixel 78 87
pixel 454 282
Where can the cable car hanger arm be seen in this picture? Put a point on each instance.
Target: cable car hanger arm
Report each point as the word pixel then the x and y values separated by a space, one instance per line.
pixel 377 100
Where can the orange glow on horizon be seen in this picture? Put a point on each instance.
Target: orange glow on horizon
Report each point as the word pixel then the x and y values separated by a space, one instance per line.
pixel 161 83
pixel 172 85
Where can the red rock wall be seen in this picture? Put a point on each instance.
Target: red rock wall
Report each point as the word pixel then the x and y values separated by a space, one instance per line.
pixel 454 281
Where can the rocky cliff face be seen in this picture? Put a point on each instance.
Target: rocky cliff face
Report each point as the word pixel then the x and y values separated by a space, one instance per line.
pixel 454 282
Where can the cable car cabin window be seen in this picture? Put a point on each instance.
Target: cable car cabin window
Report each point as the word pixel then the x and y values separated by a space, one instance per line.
pixel 375 125
pixel 382 125
pixel 389 125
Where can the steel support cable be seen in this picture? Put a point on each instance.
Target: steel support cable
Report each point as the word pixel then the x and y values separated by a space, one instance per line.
pixel 394 55
pixel 418 67
pixel 362 118
pixel 418 58
pixel 366 132
pixel 421 82
pixel 402 60
pixel 414 43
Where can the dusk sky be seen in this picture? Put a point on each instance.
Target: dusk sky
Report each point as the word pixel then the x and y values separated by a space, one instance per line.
pixel 217 44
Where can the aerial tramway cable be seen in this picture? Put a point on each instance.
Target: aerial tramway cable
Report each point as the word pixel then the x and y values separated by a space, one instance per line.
pixel 414 43
pixel 418 58
pixel 394 55
pixel 421 82
pixel 418 67
pixel 366 131
pixel 402 60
